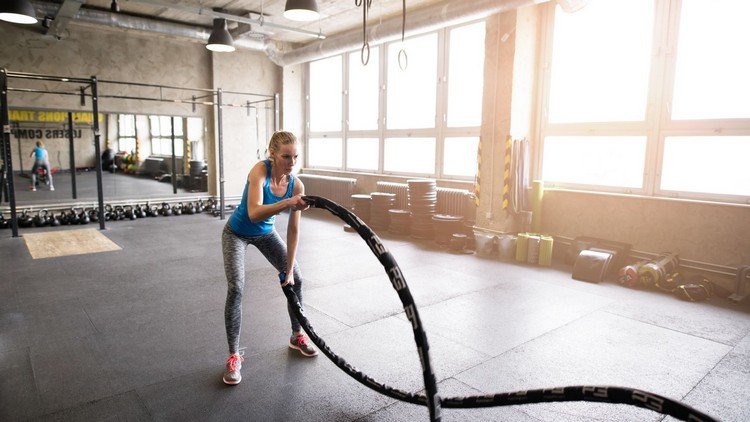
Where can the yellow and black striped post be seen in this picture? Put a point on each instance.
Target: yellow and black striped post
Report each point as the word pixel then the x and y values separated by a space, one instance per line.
pixel 506 171
pixel 479 170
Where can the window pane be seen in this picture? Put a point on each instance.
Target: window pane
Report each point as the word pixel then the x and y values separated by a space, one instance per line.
pixel 601 60
pixel 460 156
pixel 713 64
pixel 709 164
pixel 325 152
pixel 362 153
pixel 363 91
pixel 466 75
pixel 410 155
pixel 154 125
pixel 411 92
pixel 177 127
pixel 325 95
pixel 595 160
pixel 126 125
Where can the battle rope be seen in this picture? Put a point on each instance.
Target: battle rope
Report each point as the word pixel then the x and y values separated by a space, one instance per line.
pixel 606 394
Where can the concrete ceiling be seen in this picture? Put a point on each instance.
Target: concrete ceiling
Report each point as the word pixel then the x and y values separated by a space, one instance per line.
pixel 336 15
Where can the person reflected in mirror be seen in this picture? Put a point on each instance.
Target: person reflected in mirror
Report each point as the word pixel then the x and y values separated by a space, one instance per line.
pixel 271 188
pixel 41 161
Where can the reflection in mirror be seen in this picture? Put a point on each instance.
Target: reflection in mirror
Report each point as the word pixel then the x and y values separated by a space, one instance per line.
pixel 42 140
pixel 153 157
pixel 137 159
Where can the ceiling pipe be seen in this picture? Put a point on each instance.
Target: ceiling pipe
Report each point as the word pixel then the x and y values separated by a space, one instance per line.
pixel 128 22
pixel 430 18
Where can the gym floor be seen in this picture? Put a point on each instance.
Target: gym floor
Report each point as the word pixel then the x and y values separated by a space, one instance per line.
pixel 116 186
pixel 138 333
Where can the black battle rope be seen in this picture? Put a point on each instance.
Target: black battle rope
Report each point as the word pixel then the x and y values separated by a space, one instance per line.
pixel 605 394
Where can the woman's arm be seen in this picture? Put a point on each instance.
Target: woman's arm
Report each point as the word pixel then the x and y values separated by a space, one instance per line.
pixel 292 233
pixel 256 210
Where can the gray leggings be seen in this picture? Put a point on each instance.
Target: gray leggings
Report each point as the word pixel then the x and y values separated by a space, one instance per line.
pixel 37 164
pixel 233 246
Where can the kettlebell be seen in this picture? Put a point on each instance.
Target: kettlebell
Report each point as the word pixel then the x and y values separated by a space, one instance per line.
pixel 83 217
pixel 3 222
pixel 25 220
pixel 54 221
pixel 130 212
pixel 120 212
pixel 73 217
pixel 38 219
pixel 107 212
pixel 94 215
pixel 177 210
pixel 166 210
pixel 190 209
pixel 199 207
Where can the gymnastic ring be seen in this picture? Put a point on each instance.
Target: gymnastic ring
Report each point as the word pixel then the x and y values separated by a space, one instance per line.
pixel 362 57
pixel 405 63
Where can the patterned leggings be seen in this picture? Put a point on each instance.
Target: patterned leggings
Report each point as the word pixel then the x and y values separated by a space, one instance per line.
pixel 233 246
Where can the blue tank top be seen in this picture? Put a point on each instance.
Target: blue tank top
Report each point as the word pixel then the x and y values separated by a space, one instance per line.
pixel 40 153
pixel 240 223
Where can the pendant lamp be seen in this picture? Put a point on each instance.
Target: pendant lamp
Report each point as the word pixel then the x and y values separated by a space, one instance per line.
pixel 220 39
pixel 18 11
pixel 301 10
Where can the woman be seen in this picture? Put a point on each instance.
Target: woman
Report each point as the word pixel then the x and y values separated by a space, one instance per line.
pixel 270 189
pixel 41 159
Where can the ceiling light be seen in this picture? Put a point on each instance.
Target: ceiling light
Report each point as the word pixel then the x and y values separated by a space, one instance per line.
pixel 301 10
pixel 18 11
pixel 220 39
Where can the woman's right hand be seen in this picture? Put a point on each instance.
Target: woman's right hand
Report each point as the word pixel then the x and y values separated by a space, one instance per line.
pixel 296 203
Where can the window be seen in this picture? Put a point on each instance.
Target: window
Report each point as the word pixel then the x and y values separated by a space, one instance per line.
pixel 325 152
pixel 412 91
pixel 362 153
pixel 325 95
pixel 462 153
pixel 161 135
pixel 657 103
pixel 466 76
pixel 126 133
pixel 364 95
pixel 420 116
pixel 602 78
pixel 711 75
pixel 410 155
pixel 713 164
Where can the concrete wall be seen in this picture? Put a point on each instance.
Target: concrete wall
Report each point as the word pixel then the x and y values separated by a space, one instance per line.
pixel 244 71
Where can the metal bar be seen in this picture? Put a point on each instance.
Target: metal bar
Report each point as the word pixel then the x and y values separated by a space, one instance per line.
pixel 276 112
pixel 97 151
pixel 221 154
pixel 72 152
pixel 20 156
pixel 235 18
pixel 38 76
pixel 44 91
pixel 269 97
pixel 5 125
pixel 174 159
pixel 156 86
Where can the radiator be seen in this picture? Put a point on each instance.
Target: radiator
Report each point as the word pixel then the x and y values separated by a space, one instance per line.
pixel 337 189
pixel 449 201
pixel 400 189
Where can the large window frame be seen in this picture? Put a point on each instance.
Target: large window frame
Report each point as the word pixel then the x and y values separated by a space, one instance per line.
pixel 440 131
pixel 657 124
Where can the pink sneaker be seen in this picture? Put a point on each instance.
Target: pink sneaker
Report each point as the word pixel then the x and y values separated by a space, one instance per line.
pixel 232 374
pixel 301 343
